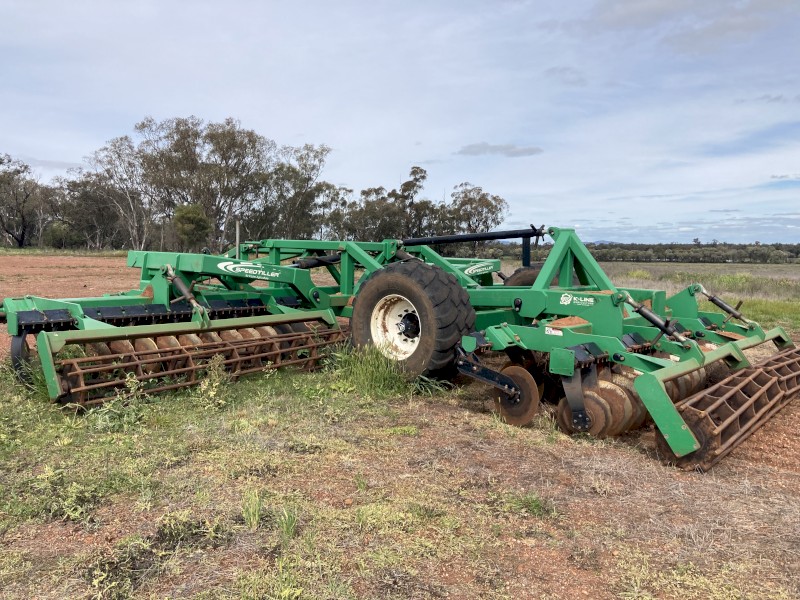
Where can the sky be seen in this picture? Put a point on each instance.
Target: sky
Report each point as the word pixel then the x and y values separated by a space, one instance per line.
pixel 629 120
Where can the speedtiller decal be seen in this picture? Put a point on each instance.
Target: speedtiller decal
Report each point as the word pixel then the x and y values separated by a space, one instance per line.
pixel 247 268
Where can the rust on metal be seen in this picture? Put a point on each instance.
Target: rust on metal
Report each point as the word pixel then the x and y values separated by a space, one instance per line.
pixel 170 362
pixel 567 322
pixel 728 412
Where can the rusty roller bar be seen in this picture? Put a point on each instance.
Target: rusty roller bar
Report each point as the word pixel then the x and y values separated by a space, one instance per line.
pixel 727 413
pixel 90 380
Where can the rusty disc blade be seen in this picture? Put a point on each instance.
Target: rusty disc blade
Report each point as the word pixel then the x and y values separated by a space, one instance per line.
pixel 597 409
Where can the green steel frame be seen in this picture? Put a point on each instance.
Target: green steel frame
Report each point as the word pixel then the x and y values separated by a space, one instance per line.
pixel 506 316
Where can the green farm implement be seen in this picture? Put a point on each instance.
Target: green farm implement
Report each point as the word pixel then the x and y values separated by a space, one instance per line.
pixel 607 359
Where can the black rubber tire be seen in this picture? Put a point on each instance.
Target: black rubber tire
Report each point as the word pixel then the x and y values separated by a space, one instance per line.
pixel 443 308
pixel 524 276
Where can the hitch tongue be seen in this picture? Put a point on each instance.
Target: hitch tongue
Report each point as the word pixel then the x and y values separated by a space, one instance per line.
pixel 186 292
pixel 198 310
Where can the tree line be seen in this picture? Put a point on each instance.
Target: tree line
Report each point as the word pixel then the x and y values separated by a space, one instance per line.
pixel 182 184
pixel 696 252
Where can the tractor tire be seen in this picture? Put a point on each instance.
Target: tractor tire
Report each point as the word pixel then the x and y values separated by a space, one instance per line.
pixel 524 276
pixel 415 313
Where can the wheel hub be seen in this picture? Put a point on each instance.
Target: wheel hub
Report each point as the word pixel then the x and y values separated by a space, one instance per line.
pixel 395 326
pixel 409 325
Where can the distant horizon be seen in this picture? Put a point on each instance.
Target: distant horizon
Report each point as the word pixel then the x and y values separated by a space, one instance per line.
pixel 549 242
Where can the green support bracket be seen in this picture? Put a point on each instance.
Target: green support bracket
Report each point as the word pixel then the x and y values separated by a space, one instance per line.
pixel 650 387
pixel 562 362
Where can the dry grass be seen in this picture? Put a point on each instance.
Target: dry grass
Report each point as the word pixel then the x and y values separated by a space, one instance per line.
pixel 286 492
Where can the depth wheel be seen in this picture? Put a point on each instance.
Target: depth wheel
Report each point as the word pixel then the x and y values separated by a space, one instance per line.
pixel 524 276
pixel 518 411
pixel 415 314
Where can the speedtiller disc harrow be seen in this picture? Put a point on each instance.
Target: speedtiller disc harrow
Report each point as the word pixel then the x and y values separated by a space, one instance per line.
pixel 608 360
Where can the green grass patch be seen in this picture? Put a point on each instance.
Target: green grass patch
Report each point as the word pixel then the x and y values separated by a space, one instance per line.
pixel 404 430
pixel 529 503
pixel 252 509
pixel 641 579
pixel 281 582
pixel 639 274
pixel 366 372
pixel 774 312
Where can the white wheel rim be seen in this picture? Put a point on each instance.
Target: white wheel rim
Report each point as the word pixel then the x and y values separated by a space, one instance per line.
pixel 395 327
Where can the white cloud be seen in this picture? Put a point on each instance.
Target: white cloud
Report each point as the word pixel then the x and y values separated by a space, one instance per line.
pixel 507 150
pixel 566 76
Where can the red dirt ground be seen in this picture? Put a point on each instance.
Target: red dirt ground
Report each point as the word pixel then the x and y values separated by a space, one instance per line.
pixel 62 277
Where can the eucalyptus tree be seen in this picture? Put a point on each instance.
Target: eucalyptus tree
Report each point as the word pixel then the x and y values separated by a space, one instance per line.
pixel 222 167
pixel 22 214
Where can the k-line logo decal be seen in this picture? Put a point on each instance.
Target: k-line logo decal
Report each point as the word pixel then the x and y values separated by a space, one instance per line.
pixel 479 268
pixel 248 269
pixel 567 299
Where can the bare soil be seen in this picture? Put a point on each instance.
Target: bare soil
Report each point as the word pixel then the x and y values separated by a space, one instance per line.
pixel 62 277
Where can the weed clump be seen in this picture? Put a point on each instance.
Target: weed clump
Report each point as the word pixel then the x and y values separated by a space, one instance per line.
pixel 281 582
pixel 181 529
pixel 117 574
pixel 210 391
pixel 366 371
pixel 60 498
pixel 123 412
pixel 530 503
pixel 252 509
